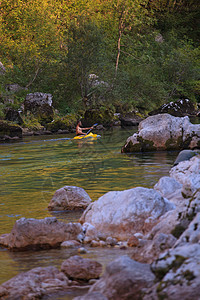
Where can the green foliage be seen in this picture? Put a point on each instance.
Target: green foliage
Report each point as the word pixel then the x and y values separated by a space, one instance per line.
pixel 2 111
pixel 154 73
pixel 30 122
pixel 64 123
pixel 102 115
pixel 53 46
pixel 85 49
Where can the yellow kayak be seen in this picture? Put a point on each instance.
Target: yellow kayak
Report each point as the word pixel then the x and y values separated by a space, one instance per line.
pixel 89 135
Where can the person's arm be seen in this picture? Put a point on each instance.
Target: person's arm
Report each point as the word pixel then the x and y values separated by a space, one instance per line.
pixel 87 128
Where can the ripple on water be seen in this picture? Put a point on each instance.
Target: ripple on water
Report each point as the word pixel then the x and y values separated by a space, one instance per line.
pixel 38 166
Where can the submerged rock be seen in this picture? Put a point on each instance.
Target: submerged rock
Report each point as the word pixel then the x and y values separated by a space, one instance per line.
pixel 70 244
pixel 32 234
pixel 120 214
pixel 34 284
pixel 78 268
pixel 164 132
pixel 69 198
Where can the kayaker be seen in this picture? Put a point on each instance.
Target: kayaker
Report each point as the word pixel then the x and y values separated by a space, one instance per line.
pixel 79 130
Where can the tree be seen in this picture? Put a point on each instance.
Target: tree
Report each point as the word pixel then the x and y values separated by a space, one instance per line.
pixel 123 17
pixel 84 53
pixel 29 36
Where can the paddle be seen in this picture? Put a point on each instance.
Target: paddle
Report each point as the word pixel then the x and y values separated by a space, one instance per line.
pixel 91 128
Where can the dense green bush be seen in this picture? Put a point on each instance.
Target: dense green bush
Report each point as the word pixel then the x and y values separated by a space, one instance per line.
pixel 30 122
pixel 64 123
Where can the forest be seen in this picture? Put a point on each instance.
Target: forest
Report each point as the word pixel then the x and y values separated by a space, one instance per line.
pixel 116 54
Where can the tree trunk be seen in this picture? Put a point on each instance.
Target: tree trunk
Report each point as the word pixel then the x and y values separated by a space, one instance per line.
pixel 121 29
pixel 118 52
pixel 35 76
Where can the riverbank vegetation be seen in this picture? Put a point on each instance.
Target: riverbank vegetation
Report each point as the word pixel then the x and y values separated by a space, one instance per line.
pixel 142 53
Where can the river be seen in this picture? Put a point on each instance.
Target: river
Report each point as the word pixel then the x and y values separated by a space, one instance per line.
pixel 31 171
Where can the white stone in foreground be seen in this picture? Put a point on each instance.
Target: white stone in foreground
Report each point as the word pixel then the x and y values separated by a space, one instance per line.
pixel 120 214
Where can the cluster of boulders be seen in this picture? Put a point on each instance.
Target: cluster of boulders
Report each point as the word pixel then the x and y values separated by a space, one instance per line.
pixel 164 132
pixel 162 225
pixel 37 116
pixel 38 282
pixel 167 253
pixel 38 105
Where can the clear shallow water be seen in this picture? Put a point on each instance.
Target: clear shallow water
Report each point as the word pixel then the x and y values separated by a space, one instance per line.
pixel 32 170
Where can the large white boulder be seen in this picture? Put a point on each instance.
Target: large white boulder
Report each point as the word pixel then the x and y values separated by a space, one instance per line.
pixel 188 174
pixel 164 132
pixel 168 186
pixel 120 214
pixel 178 272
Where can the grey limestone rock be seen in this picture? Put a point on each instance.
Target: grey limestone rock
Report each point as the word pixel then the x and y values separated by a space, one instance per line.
pixel 69 198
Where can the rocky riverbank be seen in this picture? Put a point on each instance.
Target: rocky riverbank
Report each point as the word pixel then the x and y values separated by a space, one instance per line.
pixel 164 132
pixel 160 225
pixel 36 115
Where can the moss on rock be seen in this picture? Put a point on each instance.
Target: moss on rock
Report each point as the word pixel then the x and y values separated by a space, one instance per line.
pixel 129 148
pixel 9 129
pixel 178 230
pixel 172 144
pixel 188 275
pixel 141 146
pixel 67 122
pixel 45 114
pixel 146 145
pixel 31 123
pixel 102 115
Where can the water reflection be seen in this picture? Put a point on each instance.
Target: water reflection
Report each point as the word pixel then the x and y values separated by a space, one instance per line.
pixel 17 262
pixel 32 170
